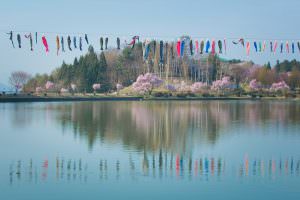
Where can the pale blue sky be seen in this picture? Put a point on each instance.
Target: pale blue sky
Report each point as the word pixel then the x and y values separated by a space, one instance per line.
pixel 166 19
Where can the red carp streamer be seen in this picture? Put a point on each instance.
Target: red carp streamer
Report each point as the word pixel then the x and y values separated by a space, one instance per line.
pixel 45 43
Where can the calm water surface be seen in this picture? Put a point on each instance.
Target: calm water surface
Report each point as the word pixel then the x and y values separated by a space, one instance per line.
pixel 150 150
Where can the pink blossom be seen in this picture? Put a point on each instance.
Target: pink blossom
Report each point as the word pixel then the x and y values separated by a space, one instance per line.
pixel 38 89
pixel 73 86
pixel 221 84
pixel 170 87
pixel 279 86
pixel 64 90
pixel 119 86
pixel 254 85
pixel 96 86
pixel 183 87
pixel 49 85
pixel 145 83
pixel 198 87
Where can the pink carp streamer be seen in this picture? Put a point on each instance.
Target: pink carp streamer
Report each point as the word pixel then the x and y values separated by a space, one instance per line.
pixel 213 47
pixel 275 46
pixel 178 48
pixel 248 48
pixel 45 43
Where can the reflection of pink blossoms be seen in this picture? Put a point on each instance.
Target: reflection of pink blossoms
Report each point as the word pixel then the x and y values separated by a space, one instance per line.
pixel 280 86
pixel 96 86
pixel 221 84
pixel 198 87
pixel 254 85
pixel 145 83
pixel 49 85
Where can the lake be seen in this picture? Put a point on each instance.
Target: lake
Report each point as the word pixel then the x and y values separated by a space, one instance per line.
pixel 150 150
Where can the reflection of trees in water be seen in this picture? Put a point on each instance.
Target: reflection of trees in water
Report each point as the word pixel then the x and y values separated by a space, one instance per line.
pixel 174 126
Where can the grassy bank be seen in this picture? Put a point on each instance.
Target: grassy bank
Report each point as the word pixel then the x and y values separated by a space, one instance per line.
pixel 103 97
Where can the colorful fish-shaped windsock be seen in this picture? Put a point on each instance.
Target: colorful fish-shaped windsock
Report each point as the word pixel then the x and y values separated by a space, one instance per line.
pixel 154 48
pixel 11 38
pixel 213 47
pixel 259 46
pixel 106 43
pixel 166 51
pixel 36 37
pixel 74 42
pixel 172 50
pixel 264 46
pixel 62 44
pixel 298 44
pixel 29 36
pixel 178 45
pixel 201 47
pixel 197 46
pixel 241 41
pixel 133 41
pixel 45 43
pixel 287 47
pixel 19 40
pixel 220 46
pixel 86 38
pixel 255 46
pixel 281 47
pixel 293 47
pixel 275 46
pixel 191 47
pixel 271 46
pixel 207 46
pixel 248 48
pixel 161 52
pixel 69 43
pixel 80 43
pixel 182 48
pixel 57 44
pixel 147 49
pixel 101 43
pixel 225 46
pixel 119 43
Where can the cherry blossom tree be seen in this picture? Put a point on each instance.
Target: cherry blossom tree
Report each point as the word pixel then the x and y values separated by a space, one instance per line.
pixel 221 84
pixel 64 90
pixel 73 88
pixel 146 83
pixel 49 86
pixel 96 86
pixel 183 87
pixel 280 86
pixel 254 85
pixel 119 87
pixel 198 87
pixel 170 87
pixel 18 79
pixel 39 89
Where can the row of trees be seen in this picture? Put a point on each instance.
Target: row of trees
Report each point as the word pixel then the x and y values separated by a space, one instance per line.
pixel 114 67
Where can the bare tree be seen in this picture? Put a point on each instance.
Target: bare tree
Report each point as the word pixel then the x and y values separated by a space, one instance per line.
pixel 18 78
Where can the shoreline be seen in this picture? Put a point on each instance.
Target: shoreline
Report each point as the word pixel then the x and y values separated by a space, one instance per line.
pixel 23 99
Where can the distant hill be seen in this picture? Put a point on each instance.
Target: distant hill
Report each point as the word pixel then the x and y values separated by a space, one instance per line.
pixel 4 87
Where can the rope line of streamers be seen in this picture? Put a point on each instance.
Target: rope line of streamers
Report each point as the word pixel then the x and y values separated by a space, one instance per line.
pixel 192 44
